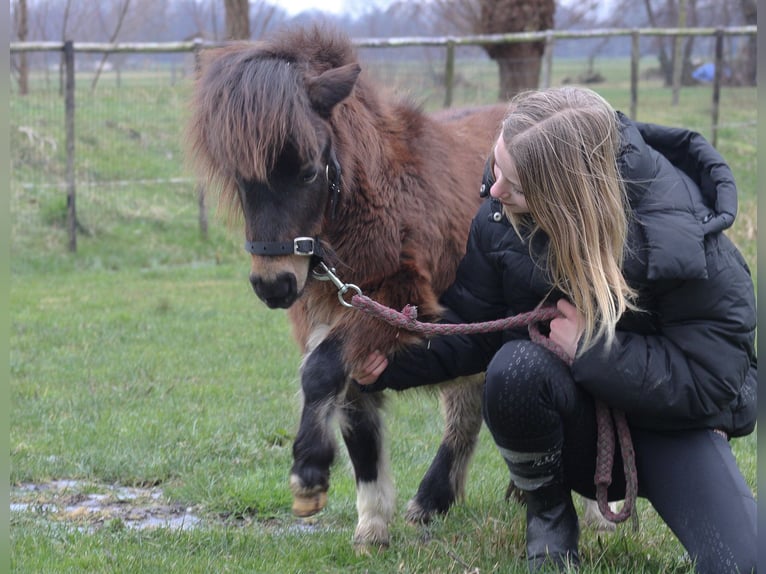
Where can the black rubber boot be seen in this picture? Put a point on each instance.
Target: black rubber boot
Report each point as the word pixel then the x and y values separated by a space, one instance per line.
pixel 552 529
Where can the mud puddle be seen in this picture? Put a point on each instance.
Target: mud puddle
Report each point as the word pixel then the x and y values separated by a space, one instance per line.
pixel 88 506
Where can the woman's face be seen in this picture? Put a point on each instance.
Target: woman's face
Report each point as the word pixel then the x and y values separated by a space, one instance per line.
pixel 507 188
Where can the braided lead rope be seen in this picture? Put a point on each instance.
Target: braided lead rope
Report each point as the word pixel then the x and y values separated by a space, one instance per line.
pixel 605 457
pixel 407 319
pixel 605 446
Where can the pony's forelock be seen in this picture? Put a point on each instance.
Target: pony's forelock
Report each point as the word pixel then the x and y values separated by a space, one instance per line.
pixel 228 136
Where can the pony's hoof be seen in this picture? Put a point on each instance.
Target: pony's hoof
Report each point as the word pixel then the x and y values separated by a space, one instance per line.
pixel 416 514
pixel 593 519
pixel 371 537
pixel 304 506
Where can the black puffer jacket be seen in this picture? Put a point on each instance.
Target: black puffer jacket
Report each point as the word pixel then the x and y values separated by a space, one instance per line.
pixel 687 360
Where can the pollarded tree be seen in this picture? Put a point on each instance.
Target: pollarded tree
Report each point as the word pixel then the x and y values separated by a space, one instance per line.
pixel 519 62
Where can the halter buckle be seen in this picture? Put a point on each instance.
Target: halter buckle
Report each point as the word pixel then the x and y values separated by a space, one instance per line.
pixel 303 246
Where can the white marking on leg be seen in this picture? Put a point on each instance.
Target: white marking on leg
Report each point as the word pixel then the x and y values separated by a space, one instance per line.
pixel 593 518
pixel 375 503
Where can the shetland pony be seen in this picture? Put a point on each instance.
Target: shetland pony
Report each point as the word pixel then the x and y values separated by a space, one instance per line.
pixel 324 169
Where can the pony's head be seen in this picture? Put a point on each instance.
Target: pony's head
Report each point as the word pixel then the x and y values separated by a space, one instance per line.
pixel 261 133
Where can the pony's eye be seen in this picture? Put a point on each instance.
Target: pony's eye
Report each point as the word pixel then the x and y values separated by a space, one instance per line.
pixel 309 176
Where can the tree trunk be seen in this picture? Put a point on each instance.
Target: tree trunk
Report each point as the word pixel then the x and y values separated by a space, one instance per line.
pixel 237 19
pixel 518 63
pixel 749 62
pixel 518 73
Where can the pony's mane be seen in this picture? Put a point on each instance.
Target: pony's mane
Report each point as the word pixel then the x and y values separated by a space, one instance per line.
pixel 228 134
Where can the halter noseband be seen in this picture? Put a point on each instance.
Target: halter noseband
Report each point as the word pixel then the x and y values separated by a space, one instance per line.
pixel 305 246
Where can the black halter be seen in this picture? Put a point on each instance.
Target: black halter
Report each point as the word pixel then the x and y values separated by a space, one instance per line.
pixel 306 246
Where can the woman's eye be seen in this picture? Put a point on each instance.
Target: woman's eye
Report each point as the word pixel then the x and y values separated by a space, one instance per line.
pixel 309 176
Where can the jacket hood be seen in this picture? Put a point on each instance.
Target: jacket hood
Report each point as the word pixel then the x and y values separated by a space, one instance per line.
pixel 670 213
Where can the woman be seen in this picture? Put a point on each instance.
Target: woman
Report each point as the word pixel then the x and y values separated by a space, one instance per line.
pixel 620 225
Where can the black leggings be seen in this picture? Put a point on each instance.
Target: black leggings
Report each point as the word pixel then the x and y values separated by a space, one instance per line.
pixel 691 478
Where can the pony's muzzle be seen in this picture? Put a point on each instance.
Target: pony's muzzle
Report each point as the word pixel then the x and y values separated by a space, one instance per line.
pixel 279 292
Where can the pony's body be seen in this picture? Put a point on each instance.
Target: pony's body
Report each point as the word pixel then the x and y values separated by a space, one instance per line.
pixel 274 125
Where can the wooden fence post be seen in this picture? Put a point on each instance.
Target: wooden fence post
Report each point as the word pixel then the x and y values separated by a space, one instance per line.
pixel 69 104
pixel 717 85
pixel 678 63
pixel 548 60
pixel 635 57
pixel 200 189
pixel 449 74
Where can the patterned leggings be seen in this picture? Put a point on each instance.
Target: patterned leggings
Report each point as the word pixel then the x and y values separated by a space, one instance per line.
pixel 691 478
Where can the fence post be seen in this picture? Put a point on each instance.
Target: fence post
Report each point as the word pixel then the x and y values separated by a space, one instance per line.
pixel 449 74
pixel 200 189
pixel 635 56
pixel 548 60
pixel 717 75
pixel 678 63
pixel 69 105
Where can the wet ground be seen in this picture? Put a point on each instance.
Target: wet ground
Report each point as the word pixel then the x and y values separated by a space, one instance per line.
pixel 91 506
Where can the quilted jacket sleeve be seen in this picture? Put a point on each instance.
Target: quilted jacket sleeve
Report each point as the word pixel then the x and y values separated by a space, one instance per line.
pixel 696 367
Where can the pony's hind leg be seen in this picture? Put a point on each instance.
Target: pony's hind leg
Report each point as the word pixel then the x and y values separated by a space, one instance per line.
pixel 362 430
pixel 444 482
pixel 322 380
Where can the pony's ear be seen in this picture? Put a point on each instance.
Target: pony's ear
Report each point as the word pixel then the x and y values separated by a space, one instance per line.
pixel 327 90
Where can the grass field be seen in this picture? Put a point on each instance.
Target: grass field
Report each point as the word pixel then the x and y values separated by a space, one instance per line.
pixel 145 360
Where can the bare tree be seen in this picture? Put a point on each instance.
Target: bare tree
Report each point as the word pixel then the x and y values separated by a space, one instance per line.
pixel 518 63
pixel 748 64
pixel 197 13
pixel 668 13
pixel 237 19
pixel 113 38
pixel 264 14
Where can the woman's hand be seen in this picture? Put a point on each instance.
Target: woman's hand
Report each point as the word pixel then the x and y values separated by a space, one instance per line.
pixel 371 369
pixel 567 330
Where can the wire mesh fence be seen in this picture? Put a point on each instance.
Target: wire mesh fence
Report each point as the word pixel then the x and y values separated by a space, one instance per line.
pixel 129 164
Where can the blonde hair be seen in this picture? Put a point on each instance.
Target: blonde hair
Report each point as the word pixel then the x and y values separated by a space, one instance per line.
pixel 564 144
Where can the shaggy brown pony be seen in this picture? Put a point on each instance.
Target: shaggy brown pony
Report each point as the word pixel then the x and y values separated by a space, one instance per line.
pixel 325 169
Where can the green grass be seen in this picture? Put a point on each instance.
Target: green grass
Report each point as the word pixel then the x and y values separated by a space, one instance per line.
pixel 144 359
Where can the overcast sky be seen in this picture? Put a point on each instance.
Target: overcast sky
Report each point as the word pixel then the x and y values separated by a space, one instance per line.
pixel 293 7
pixel 354 7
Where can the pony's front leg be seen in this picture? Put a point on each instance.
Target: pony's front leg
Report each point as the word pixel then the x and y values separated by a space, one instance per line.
pixel 362 430
pixel 322 380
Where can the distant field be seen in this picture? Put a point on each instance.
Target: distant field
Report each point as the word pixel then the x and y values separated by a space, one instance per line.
pixel 145 360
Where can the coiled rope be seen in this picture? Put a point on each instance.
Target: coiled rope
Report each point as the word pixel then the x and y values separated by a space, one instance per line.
pixel 607 420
